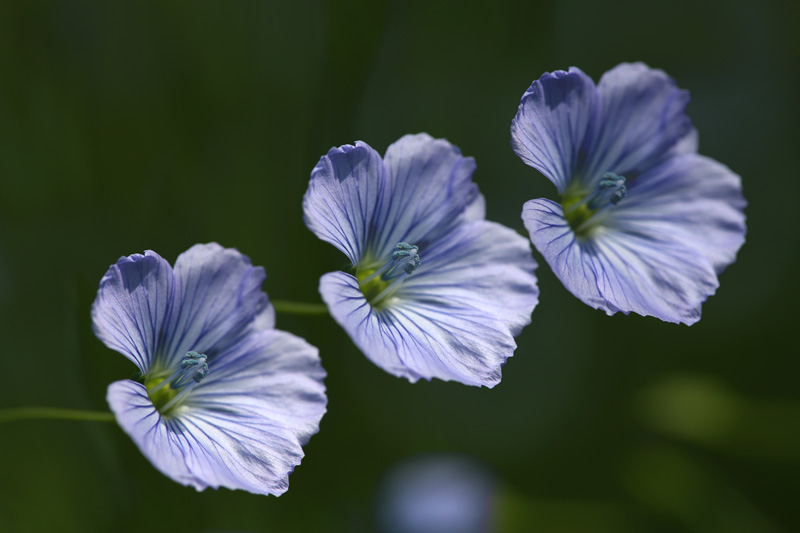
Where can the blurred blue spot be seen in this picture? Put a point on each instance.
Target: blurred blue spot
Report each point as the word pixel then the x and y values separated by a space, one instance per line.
pixel 438 494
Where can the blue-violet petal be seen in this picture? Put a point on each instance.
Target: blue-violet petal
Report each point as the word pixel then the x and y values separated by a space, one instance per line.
pixel 132 305
pixel 551 124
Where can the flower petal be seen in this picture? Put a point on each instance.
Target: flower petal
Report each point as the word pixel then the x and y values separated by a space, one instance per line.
pixel 641 116
pixel 218 295
pixel 132 305
pixel 265 319
pixel 272 375
pixel 342 196
pixel 242 427
pixel 421 339
pixel 156 439
pixel 475 210
pixel 482 265
pixel 622 270
pixel 690 199
pixel 687 144
pixel 551 123
pixel 429 186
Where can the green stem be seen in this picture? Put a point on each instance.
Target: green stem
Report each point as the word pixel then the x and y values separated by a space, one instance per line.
pixel 28 413
pixel 299 308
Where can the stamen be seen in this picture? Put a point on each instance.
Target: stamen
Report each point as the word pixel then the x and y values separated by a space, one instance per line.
pixel 385 292
pixel 177 398
pixel 383 281
pixel 405 259
pixel 165 382
pixel 583 211
pixel 375 274
pixel 194 367
pixel 170 391
pixel 611 189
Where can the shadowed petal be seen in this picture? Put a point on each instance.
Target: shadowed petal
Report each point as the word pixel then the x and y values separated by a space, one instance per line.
pixel 218 295
pixel 342 197
pixel 265 319
pixel 689 199
pixel 641 116
pixel 421 339
pixel 617 270
pixel 551 124
pixel 482 265
pixel 132 305
pixel 687 144
pixel 429 186
pixel 476 209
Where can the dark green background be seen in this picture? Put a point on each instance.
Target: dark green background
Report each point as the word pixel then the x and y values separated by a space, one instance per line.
pixel 156 125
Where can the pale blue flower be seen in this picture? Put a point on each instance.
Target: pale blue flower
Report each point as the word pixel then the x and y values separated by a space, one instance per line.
pixel 436 290
pixel 644 224
pixel 225 400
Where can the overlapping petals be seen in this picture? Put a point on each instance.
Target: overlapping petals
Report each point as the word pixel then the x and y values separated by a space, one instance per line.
pixel 699 203
pixel 363 204
pixel 421 339
pixel 657 250
pixel 640 115
pixel 428 187
pixel 455 316
pixel 243 425
pixel 621 271
pixel 218 295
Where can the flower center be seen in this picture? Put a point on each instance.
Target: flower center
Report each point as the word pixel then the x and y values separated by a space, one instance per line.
pixel 582 210
pixel 166 392
pixel 378 283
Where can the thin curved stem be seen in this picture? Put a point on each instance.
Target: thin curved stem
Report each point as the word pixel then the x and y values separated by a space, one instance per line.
pixel 299 308
pixel 56 413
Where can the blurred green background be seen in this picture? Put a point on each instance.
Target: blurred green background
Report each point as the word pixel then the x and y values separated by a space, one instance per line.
pixel 157 125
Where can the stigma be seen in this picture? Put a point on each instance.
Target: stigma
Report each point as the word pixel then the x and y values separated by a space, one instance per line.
pixel 168 393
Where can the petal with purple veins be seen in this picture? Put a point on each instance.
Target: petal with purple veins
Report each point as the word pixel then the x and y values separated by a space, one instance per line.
pixel 243 426
pixel 132 306
pixel 623 269
pixel 421 338
pixel 429 189
pixel 483 265
pixel 343 195
pixel 218 295
pixel 552 122
pixel 271 374
pixel 689 199
pixel 640 118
